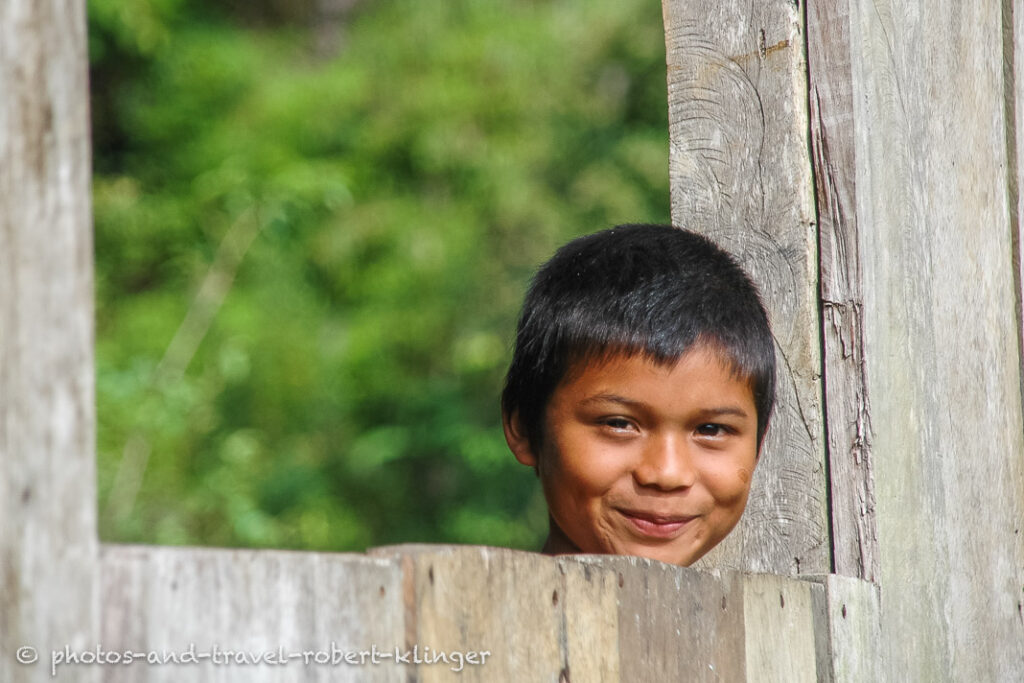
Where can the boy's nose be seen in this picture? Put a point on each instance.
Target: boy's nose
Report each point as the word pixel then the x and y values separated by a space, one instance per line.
pixel 666 464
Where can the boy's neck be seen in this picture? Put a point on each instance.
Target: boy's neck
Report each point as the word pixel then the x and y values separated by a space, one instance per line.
pixel 557 542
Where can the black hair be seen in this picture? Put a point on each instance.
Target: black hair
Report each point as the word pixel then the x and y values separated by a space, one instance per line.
pixel 652 290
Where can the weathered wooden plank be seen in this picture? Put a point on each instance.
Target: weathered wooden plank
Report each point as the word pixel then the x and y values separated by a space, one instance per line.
pixel 848 630
pixel 48 548
pixel 677 624
pixel 313 614
pixel 590 614
pixel 778 616
pixel 1013 75
pixel 941 347
pixel 848 430
pixel 540 619
pixel 740 172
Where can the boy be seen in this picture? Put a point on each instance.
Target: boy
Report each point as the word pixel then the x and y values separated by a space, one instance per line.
pixel 640 389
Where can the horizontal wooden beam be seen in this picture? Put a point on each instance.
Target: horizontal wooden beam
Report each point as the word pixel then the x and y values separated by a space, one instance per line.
pixel 583 618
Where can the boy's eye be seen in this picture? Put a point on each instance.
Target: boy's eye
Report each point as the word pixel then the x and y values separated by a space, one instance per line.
pixel 618 423
pixel 711 429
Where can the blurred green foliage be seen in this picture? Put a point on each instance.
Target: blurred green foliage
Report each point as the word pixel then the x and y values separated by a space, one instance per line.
pixel 338 240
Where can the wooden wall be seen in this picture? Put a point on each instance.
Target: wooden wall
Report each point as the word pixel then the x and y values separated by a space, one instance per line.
pixel 740 171
pixel 914 112
pixel 862 157
pixel 936 221
pixel 584 618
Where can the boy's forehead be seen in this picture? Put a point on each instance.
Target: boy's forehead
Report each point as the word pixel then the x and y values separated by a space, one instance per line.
pixel 600 362
pixel 598 358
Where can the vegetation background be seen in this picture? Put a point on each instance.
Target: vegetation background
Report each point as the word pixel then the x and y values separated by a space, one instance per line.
pixel 315 221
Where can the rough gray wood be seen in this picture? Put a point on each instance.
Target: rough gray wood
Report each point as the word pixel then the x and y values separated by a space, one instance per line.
pixel 941 338
pixel 541 619
pixel 583 618
pixel 1013 75
pixel 677 624
pixel 307 606
pixel 848 630
pixel 778 615
pixel 847 405
pixel 48 542
pixel 590 620
pixel 740 172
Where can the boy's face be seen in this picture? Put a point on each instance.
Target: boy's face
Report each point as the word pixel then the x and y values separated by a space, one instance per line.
pixel 639 459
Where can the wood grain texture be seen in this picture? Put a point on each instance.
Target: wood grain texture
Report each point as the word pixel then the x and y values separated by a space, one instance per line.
pixel 48 547
pixel 849 630
pixel 541 619
pixel 580 618
pixel 252 602
pixel 847 404
pixel 591 628
pixel 778 614
pixel 941 345
pixel 678 624
pixel 740 172
pixel 605 618
pixel 1013 77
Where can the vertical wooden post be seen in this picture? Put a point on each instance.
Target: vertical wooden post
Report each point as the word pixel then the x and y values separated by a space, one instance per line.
pixel 915 112
pixel 1013 73
pixel 847 404
pixel 48 544
pixel 916 115
pixel 941 339
pixel 740 171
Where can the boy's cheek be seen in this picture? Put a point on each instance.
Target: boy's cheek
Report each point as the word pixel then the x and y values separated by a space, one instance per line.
pixel 743 474
pixel 571 457
pixel 586 477
pixel 729 488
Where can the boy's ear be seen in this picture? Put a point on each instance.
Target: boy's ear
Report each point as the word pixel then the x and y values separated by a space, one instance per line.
pixel 516 439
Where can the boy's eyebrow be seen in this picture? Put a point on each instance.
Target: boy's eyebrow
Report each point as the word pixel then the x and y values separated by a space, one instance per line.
pixel 612 398
pixel 735 411
pixel 726 410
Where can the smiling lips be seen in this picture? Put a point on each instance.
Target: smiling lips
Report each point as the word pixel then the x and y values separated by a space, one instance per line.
pixel 655 526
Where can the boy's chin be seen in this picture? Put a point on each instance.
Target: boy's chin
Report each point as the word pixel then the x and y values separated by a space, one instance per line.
pixel 558 543
pixel 669 553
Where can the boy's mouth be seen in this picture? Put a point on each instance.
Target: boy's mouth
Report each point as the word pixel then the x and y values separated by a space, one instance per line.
pixel 655 526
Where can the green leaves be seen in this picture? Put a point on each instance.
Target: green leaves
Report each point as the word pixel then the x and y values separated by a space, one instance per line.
pixel 339 250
